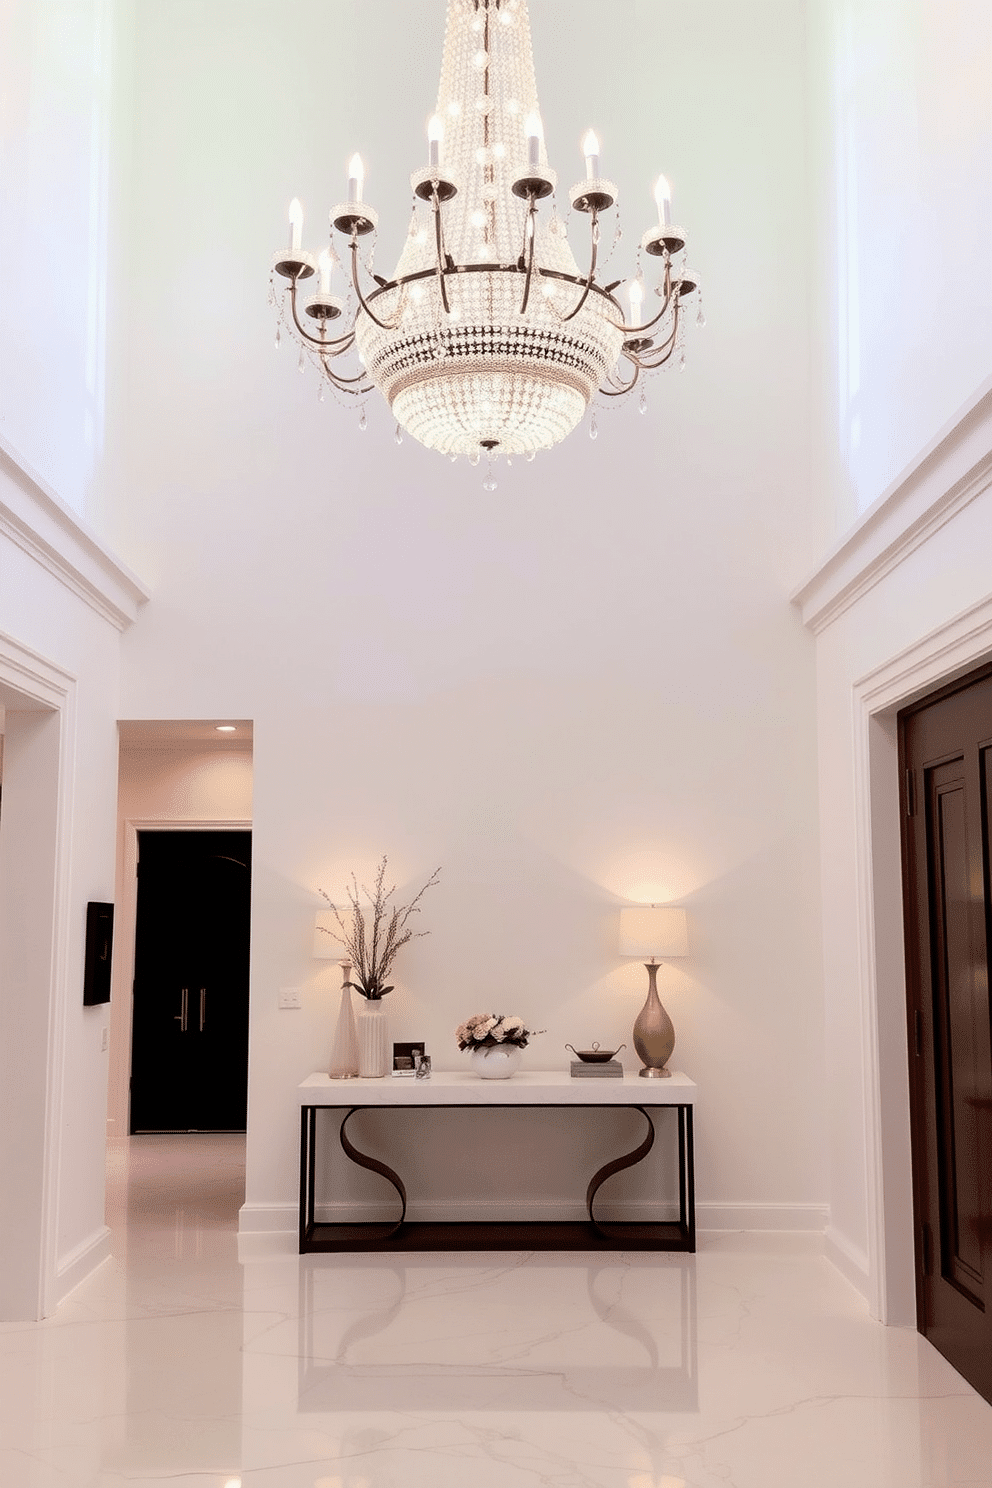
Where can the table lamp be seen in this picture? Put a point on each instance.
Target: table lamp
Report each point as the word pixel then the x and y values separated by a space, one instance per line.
pixel 656 932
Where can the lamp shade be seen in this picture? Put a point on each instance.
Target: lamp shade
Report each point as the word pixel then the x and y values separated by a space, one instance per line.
pixel 653 931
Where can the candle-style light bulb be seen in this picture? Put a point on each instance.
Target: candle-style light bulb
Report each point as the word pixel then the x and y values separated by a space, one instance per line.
pixel 663 196
pixel 295 225
pixel 356 178
pixel 324 263
pixel 590 149
pixel 635 292
pixel 435 134
pixel 534 130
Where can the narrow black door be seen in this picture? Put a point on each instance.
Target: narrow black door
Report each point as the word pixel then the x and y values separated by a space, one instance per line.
pixel 189 1049
pixel 946 748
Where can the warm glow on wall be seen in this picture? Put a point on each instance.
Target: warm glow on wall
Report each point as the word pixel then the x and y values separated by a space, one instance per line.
pixel 653 875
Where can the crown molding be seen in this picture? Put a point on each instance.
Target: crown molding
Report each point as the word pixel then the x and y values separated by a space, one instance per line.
pixel 36 519
pixel 949 473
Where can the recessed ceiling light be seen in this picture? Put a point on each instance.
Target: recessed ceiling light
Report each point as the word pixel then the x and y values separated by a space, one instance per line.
pixel 227 728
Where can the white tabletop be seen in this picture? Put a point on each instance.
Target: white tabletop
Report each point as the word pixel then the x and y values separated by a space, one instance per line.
pixel 526 1088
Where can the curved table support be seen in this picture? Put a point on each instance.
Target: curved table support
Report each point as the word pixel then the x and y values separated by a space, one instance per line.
pixel 373 1165
pixel 617 1165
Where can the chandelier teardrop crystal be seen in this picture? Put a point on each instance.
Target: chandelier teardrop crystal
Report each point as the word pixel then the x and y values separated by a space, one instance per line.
pixel 489 338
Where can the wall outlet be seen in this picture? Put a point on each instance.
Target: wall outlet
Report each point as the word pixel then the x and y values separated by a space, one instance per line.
pixel 290 997
pixel 104 1040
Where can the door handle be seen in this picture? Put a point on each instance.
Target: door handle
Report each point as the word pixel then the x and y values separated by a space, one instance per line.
pixel 203 1007
pixel 182 1017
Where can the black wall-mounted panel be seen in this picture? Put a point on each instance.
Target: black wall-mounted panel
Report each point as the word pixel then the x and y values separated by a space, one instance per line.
pixel 99 944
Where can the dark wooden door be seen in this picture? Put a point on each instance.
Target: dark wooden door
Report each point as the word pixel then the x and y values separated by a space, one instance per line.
pixel 189 1046
pixel 946 754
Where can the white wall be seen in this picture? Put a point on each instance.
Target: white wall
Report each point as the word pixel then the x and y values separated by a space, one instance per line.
pixel 63 603
pixel 175 784
pixel 904 238
pixel 584 689
pixel 56 63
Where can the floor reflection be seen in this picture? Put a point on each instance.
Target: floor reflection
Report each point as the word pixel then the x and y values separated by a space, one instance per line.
pixel 172 1206
pixel 475 1333
pixel 175 1363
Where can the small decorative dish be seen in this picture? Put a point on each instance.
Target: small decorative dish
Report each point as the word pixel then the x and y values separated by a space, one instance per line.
pixel 595 1055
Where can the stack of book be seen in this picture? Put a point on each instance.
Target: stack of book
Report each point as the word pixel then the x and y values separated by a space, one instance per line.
pixel 608 1069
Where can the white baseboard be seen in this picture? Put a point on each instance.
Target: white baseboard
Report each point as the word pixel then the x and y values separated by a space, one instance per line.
pixel 267 1218
pixel 266 1230
pixel 727 1217
pixel 256 1219
pixel 850 1260
pixel 81 1262
pixel 271 1229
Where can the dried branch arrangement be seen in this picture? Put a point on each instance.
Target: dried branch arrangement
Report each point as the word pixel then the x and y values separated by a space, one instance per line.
pixel 373 935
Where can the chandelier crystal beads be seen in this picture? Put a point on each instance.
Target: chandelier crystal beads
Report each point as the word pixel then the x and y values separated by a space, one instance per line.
pixel 488 338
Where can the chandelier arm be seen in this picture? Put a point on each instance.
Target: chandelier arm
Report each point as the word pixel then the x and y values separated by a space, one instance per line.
pixel 592 269
pixel 530 255
pixel 344 383
pixel 383 325
pixel 622 388
pixel 659 361
pixel 439 238
pixel 667 347
pixel 342 342
pixel 640 330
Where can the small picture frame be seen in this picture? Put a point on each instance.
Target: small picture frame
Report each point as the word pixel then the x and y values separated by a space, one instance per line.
pixel 406 1057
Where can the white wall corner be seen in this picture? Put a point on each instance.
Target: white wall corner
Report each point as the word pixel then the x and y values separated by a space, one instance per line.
pixel 951 472
pixel 38 521
pixel 851 1261
pixel 81 1262
pixel 268 1230
pixel 257 1219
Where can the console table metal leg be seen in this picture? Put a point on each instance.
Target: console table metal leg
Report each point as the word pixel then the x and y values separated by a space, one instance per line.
pixel 687 1178
pixel 308 1168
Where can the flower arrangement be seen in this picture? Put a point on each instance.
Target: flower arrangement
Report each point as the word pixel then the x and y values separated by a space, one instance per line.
pixel 372 942
pixel 494 1030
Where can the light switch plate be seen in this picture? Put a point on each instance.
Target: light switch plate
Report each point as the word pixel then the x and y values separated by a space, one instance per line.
pixel 104 1039
pixel 290 997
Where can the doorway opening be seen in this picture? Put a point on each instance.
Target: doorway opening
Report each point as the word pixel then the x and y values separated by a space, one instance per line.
pixel 189 1027
pixel 945 754
pixel 188 780
pixel 37 706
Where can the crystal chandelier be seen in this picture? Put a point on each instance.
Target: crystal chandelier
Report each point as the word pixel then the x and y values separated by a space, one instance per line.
pixel 488 339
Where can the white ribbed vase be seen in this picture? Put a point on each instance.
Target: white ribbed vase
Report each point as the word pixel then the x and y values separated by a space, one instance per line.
pixel 373 1041
pixel 496 1063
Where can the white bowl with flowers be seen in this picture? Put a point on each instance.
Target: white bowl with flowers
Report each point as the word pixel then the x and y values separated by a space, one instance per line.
pixel 496 1041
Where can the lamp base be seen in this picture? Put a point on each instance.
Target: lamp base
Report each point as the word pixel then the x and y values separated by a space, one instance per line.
pixel 654 1036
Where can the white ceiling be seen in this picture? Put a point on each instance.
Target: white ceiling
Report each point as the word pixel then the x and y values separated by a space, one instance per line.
pixel 165 733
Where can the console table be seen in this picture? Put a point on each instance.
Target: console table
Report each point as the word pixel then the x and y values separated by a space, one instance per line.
pixel 464 1091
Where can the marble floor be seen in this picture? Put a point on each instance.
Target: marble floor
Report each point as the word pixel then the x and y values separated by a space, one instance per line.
pixel 750 1365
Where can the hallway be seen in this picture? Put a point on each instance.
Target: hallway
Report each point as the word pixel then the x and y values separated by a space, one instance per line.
pixel 752 1364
